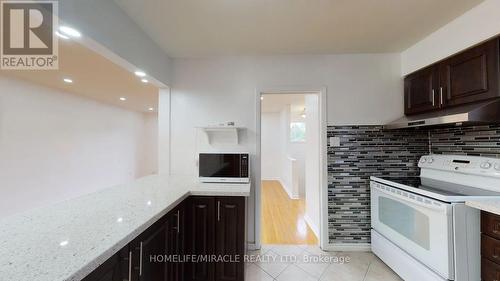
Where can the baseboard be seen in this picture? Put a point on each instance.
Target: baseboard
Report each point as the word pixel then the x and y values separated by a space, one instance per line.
pixel 290 195
pixel 313 226
pixel 252 247
pixel 271 179
pixel 352 247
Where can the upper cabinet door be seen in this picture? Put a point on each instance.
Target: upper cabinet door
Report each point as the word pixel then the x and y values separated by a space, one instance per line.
pixel 470 76
pixel 420 89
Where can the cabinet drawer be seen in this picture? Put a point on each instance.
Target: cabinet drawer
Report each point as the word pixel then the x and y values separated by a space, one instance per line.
pixel 490 248
pixel 489 271
pixel 490 224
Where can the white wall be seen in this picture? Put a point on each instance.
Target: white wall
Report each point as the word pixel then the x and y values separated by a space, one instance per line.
pixel 55 146
pixel 312 158
pixel 361 89
pixel 148 149
pixel 273 150
pixel 476 25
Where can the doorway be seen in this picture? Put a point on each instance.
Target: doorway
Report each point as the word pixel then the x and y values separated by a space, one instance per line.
pixel 291 178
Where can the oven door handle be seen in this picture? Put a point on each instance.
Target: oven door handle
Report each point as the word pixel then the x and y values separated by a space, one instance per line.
pixel 442 207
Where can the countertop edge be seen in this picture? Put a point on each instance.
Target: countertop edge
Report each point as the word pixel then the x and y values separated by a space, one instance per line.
pixel 99 260
pixel 491 206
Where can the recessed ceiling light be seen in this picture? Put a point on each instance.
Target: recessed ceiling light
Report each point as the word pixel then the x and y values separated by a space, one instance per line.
pixel 67 80
pixel 66 30
pixel 61 35
pixel 261 97
pixel 144 80
pixel 151 109
pixel 123 98
pixel 140 73
pixel 63 243
pixel 119 220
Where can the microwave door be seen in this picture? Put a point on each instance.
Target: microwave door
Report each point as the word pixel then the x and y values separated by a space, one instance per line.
pixel 421 227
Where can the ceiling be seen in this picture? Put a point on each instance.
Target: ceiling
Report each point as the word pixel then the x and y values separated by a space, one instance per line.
pixel 95 77
pixel 273 103
pixel 193 28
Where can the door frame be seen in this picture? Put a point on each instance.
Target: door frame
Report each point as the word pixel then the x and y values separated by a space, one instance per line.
pixel 323 173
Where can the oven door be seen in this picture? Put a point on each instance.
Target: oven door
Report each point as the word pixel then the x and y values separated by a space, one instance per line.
pixel 420 226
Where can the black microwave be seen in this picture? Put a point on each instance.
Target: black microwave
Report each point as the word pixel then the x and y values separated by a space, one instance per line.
pixel 224 167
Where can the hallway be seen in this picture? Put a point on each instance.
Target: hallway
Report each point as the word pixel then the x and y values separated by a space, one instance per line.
pixel 283 218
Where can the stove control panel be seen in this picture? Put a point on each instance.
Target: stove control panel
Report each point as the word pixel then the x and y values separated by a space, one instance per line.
pixel 472 165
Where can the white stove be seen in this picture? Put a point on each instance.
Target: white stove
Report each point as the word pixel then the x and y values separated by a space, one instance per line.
pixel 421 226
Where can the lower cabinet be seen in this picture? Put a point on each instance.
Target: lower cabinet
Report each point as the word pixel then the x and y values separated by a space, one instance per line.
pixel 200 237
pixel 216 230
pixel 230 238
pixel 209 229
pixel 114 269
pixel 490 247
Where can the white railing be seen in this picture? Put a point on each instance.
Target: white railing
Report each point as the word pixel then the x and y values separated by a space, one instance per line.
pixel 291 177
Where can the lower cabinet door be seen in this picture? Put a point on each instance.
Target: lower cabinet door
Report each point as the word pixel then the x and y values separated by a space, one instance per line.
pixel 230 238
pixel 490 271
pixel 175 244
pixel 114 269
pixel 149 250
pixel 200 236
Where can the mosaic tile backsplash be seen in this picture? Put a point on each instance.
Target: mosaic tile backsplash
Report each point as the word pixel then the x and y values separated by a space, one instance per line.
pixel 470 140
pixel 371 150
pixel 365 151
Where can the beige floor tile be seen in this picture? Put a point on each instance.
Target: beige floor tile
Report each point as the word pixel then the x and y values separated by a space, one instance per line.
pixel 313 264
pixel 379 271
pixel 294 273
pixel 353 271
pixel 274 265
pixel 255 273
pixel 287 250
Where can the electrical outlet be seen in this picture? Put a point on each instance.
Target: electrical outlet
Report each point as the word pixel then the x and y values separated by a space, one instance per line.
pixel 334 141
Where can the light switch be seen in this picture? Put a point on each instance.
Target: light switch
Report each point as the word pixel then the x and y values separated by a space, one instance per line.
pixel 334 141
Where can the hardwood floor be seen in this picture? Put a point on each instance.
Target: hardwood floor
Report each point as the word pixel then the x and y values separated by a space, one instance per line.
pixel 283 218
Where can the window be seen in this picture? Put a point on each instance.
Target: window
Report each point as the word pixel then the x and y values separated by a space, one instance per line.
pixel 297 132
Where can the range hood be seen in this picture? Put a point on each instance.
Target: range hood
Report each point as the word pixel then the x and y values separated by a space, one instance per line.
pixel 477 113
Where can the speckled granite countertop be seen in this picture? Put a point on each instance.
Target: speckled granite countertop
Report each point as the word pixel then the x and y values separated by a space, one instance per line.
pixel 492 206
pixel 68 240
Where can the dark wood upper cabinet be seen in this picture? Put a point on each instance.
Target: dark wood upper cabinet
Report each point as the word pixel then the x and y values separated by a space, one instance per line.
pixel 470 76
pixel 420 91
pixel 230 241
pixel 200 237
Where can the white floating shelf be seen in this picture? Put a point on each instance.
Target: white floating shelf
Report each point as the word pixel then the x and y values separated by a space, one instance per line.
pixel 231 131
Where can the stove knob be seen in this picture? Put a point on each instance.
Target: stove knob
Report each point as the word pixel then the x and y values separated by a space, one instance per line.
pixel 485 165
pixel 430 160
pixel 423 160
pixel 497 166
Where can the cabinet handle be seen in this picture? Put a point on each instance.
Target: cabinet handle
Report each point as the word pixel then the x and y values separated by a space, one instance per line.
pixel 140 261
pixel 218 210
pixel 130 266
pixel 433 98
pixel 178 220
pixel 441 95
